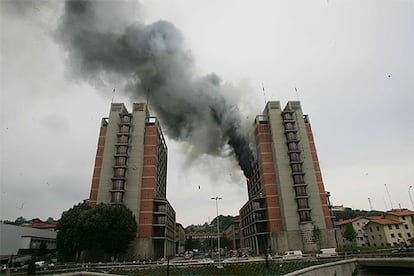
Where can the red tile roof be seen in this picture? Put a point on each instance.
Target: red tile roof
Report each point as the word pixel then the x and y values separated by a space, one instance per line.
pixel 384 221
pixel 342 222
pixel 43 225
pixel 374 217
pixel 401 213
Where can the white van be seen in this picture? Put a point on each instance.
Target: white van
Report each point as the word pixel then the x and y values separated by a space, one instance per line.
pixel 292 255
pixel 327 253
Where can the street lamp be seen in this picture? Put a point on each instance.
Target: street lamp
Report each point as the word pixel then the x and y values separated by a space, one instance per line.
pixel 409 194
pixel 218 230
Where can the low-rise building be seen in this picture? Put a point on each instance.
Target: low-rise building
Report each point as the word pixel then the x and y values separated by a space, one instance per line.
pixel 383 232
pixel 358 224
pixel 395 228
pixel 179 238
pixel 406 217
pixel 20 240
pixel 232 233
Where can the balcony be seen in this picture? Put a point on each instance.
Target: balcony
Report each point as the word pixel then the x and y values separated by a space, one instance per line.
pixel 297 150
pixel 118 178
pixel 117 190
pixel 119 166
pixel 121 155
pixel 300 184
pixel 121 143
pixel 290 130
pixel 298 173
pixel 126 133
pixel 301 196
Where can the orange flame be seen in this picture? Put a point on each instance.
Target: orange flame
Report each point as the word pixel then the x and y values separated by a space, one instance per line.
pixel 247 179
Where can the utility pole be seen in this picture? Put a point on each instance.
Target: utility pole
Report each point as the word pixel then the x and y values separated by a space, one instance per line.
pixel 218 231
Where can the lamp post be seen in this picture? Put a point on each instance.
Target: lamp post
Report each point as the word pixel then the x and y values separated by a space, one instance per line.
pixel 218 230
pixel 409 194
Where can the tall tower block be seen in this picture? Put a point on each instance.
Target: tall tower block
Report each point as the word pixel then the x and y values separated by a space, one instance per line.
pixel 131 169
pixel 287 199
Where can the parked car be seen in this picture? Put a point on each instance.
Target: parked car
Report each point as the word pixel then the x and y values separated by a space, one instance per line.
pixel 40 264
pixel 327 253
pixel 292 255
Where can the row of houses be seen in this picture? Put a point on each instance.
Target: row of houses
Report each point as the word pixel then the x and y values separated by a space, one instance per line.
pixel 394 228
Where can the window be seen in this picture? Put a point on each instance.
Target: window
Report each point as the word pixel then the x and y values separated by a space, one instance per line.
pixel 392 235
pixel 377 228
pixel 296 167
pixel 361 238
pixel 397 226
pixel 406 226
pixel 292 146
pixel 409 235
pixel 370 229
pixel 373 237
pixel 357 224
pixel 291 136
pixel 390 227
pixel 399 235
pixel 403 217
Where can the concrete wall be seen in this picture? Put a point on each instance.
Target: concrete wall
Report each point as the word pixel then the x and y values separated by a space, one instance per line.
pixel 340 268
pixel 283 171
pixel 135 161
pixel 105 182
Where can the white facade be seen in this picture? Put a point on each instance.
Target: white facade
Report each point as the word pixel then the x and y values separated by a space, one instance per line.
pixel 13 238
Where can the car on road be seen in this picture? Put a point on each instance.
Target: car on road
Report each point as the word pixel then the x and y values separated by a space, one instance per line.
pixel 327 253
pixel 292 255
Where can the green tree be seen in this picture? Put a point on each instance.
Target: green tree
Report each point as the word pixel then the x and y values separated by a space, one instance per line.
pixel 110 228
pixel 69 235
pixel 350 233
pixel 316 235
pixel 104 228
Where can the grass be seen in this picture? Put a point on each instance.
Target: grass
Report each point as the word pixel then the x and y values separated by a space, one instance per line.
pixel 228 269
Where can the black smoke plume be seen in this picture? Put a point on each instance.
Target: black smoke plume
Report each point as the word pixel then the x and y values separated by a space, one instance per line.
pixel 152 63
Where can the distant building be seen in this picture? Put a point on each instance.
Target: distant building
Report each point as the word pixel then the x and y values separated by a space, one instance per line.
pixel 131 169
pixel 49 225
pixel 179 238
pixel 359 226
pixel 384 232
pixel 406 217
pixel 232 233
pixel 22 240
pixel 287 198
pixel 338 208
pixel 395 228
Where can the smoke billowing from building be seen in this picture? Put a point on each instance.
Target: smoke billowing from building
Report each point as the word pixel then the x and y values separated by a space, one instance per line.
pixel 151 62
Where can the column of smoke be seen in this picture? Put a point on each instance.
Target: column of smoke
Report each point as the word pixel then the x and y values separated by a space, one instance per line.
pixel 152 63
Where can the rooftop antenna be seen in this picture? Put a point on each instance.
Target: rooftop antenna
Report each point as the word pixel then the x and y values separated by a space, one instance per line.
pixel 370 204
pixel 113 95
pixel 385 203
pixel 389 196
pixel 264 94
pixel 297 95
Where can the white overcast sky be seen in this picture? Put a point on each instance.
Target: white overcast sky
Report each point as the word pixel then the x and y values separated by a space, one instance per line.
pixel 352 63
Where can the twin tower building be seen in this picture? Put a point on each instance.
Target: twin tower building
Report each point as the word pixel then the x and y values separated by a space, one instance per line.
pixel 287 208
